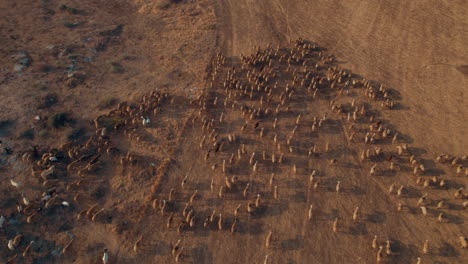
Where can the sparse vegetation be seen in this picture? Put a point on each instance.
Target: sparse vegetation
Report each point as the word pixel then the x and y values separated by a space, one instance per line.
pixel 75 133
pixel 58 120
pixel 116 67
pixel 45 68
pixel 26 134
pixel 72 25
pixel 42 133
pixel 47 101
pixel 210 27
pixel 107 102
pixel 70 10
pixel 164 4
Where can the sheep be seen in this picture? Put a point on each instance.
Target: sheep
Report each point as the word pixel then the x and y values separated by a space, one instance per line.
pixel 251 160
pixel 388 248
pixel 257 201
pixel 28 248
pixel 175 248
pixel 400 207
pixel 310 212
pixel 233 226
pixel 380 254
pixel 11 245
pixel 95 215
pixel 155 203
pixel 458 193
pixel 275 193
pixel 335 225
pixel 441 218
pixel 400 150
pixel 254 167
pixel 236 211
pixel 268 239
pixel 355 214
pixel 337 187
pixel 212 216
pixel 192 222
pixel 422 199
pixel 189 215
pixel 465 204
pixel 272 178
pixel 425 249
pixel 194 195
pixel 220 221
pixel 463 242
pixel 442 184
pixel 179 255
pixel 391 188
pixel 30 218
pixel 171 194
pixel 424 210
pixel 184 181
pixel 440 204
pixel 374 242
pixel 135 246
pixel 212 185
pixel 373 170
pixel 419 260
pixel 169 220
pixel 246 190
pixel 180 228
pixel 15 183
pixel 105 257
pixel 221 192
pixel 400 191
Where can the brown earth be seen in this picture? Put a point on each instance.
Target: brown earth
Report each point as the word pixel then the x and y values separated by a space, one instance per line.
pixel 121 61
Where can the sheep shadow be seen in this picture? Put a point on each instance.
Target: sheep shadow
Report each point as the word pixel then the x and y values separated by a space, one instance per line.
pixel 249 227
pixel 202 254
pixel 358 229
pixel 447 250
pixel 278 209
pixel 293 244
pixel 377 217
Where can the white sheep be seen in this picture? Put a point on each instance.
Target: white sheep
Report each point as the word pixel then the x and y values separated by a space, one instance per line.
pixel 269 239
pixel 400 190
pixel 463 242
pixel 425 249
pixel 28 247
pixel 424 210
pixel 246 190
pixel 388 248
pixel 374 242
pixel 220 221
pixel 335 225
pixel 337 187
pixel 380 254
pixel 355 214
pixel 105 257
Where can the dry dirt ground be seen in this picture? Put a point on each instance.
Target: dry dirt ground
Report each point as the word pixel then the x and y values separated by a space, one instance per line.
pixel 82 172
